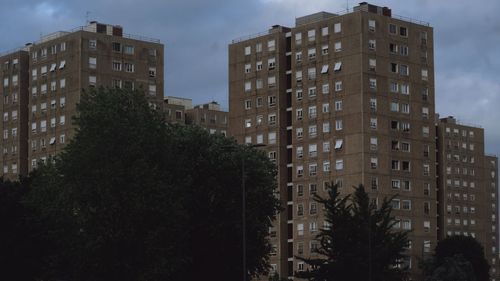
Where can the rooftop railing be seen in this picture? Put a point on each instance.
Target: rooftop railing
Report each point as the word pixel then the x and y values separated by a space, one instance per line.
pixel 334 15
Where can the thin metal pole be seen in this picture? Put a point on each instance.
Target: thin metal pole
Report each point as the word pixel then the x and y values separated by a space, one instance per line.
pixel 243 219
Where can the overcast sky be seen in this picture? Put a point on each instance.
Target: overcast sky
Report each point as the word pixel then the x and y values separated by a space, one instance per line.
pixel 196 34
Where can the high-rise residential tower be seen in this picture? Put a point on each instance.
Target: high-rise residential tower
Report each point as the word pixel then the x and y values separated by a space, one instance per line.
pixel 345 98
pixel 43 82
pixel 467 187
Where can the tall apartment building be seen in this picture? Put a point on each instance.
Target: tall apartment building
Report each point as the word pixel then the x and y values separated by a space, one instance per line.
pixel 467 187
pixel 15 83
pixel 345 98
pixel 50 75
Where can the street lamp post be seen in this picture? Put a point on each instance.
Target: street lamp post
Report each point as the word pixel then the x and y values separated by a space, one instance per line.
pixel 243 209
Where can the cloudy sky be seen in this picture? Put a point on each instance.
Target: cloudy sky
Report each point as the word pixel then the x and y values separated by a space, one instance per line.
pixel 196 34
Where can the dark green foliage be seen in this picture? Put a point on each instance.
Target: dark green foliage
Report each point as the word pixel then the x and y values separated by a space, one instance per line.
pixel 453 256
pixel 454 268
pixel 131 198
pixel 20 246
pixel 212 169
pixel 359 242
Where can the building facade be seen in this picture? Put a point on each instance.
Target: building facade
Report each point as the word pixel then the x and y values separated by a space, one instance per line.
pixel 209 116
pixel 43 83
pixel 346 99
pixel 467 187
pixel 14 90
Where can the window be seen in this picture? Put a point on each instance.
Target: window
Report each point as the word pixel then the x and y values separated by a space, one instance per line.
pixel 372 44
pixel 324 31
pixel 313 170
pixel 374 183
pixel 425 112
pixel 394 106
pixel 271 63
pixel 313 131
pixel 299 133
pixel 373 143
pixel 324 69
pixel 298 76
pixel 405 108
pixel 248 86
pixel 271 138
pixel 371 25
pixel 404 70
pixel 406 205
pixel 92 63
pixel 299 152
pixel 298 38
pixel 300 210
pixel 34 74
pixel 404 50
pixel 92 44
pixel 271 81
pixel 373 123
pixel 128 49
pixel 338 86
pixel 152 89
pixel 248 50
pixel 374 163
pixel 338 125
pixel 248 104
pixel 271 119
pixel 373 104
pixel 393 87
pixel 338 66
pixel 312 92
pixel 129 67
pixel 299 114
pixel 311 54
pixel 424 74
pixel 248 68
pixel 259 84
pixel 298 57
pixel 324 50
pixel 405 89
pixel 325 88
pixel 338 144
pixel 426 169
pixel 373 83
pixel 396 204
pixel 392 28
pixel 271 100
pixel 338 46
pixel 62 120
pixel 393 48
pixel 396 184
pixel 271 45
pixel 258 47
pixel 117 65
pixel 258 65
pixel 403 31
pixel 337 27
pixel 326 146
pixel 339 164
pixel 372 64
pixel 326 108
pixel 311 73
pixel 326 127
pixel 425 131
pixel 338 105
pixel 300 171
pixel 311 35
pixel 394 67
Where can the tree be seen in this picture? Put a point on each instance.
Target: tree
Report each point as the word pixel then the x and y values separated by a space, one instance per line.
pixel 20 247
pixel 359 243
pixel 455 268
pixel 131 198
pixel 457 252
pixel 212 178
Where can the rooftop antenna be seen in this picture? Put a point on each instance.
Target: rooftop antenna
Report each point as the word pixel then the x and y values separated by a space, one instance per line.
pixel 347 5
pixel 87 14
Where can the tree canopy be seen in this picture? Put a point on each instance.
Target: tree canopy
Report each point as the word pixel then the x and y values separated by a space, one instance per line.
pixel 132 198
pixel 359 243
pixel 457 257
